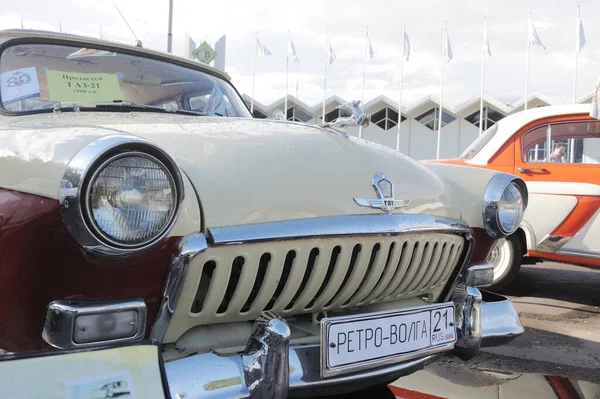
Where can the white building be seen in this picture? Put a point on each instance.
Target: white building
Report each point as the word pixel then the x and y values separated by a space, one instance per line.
pixel 418 137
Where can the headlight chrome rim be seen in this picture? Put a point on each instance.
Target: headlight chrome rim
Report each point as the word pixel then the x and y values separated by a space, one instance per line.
pixel 87 206
pixel 493 195
pixel 74 186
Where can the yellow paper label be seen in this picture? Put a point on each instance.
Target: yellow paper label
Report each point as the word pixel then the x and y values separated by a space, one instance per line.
pixel 83 87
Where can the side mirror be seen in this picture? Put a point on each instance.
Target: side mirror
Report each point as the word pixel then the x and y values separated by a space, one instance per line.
pixel 357 117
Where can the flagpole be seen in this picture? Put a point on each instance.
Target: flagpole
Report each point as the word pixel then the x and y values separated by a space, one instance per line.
pixel 287 70
pixel 170 33
pixel 362 102
pixel 482 78
pixel 439 135
pixel 325 76
pixel 575 79
pixel 527 67
pixel 576 57
pixel 401 82
pixel 254 75
pixel 527 78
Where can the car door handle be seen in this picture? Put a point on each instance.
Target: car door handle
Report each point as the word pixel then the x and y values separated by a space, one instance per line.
pixel 523 170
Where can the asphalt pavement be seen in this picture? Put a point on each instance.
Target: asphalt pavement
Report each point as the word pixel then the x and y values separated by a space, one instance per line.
pixel 559 306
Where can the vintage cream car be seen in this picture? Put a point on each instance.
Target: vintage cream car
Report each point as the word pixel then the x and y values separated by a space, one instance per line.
pixel 556 150
pixel 140 199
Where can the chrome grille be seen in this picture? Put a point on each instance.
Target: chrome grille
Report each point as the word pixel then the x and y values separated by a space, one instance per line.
pixel 238 282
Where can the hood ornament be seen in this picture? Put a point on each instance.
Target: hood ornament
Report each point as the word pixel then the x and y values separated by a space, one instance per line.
pixel 356 118
pixel 385 193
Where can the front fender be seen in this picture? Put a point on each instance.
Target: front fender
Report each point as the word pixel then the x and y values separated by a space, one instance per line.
pixel 469 185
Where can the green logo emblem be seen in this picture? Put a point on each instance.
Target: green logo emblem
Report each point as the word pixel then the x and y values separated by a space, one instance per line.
pixel 204 53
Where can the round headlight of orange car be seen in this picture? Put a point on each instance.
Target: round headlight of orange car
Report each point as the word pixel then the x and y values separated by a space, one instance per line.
pixel 504 203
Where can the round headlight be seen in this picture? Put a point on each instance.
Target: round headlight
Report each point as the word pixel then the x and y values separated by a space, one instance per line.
pixel 131 200
pixel 504 203
pixel 510 209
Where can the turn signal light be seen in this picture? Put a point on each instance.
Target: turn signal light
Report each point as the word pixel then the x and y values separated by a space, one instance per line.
pixel 105 326
pixel 72 324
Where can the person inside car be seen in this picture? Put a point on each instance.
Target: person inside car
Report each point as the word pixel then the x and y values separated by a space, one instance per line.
pixel 559 154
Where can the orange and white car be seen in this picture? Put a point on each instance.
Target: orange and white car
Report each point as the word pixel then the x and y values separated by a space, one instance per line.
pixel 556 150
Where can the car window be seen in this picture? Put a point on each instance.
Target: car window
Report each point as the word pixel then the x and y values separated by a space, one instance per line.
pixel 569 142
pixel 480 142
pixel 40 76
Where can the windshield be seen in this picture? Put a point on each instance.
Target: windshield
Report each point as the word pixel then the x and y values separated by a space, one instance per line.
pixel 479 143
pixel 40 76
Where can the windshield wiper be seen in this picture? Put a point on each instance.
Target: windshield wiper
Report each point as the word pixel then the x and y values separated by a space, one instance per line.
pixel 122 104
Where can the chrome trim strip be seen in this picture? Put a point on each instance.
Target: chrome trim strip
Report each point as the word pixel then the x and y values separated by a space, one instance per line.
pixel 467 254
pixel 188 247
pixel 491 197
pixel 552 243
pixel 585 254
pixel 335 226
pixel 85 163
pixel 59 323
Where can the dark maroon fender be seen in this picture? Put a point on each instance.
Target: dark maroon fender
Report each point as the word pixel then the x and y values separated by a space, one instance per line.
pixel 40 262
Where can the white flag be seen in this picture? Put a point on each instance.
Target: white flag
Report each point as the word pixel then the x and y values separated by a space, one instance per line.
pixel 292 50
pixel 486 41
pixel 406 46
pixel 596 101
pixel 533 37
pixel 330 54
pixel 260 49
pixel 580 35
pixel 448 49
pixel 191 47
pixel 370 48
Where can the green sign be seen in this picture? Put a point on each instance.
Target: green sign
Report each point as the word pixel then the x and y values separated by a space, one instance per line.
pixel 83 87
pixel 204 53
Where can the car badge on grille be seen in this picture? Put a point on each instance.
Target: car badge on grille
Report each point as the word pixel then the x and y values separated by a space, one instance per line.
pixel 385 193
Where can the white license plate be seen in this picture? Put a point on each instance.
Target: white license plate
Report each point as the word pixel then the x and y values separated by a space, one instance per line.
pixel 351 343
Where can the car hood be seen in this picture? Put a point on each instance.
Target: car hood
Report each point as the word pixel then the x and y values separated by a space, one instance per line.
pixel 243 170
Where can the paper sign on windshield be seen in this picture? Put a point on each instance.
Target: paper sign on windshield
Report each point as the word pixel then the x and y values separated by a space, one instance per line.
pixel 213 101
pixel 83 87
pixel 90 52
pixel 19 85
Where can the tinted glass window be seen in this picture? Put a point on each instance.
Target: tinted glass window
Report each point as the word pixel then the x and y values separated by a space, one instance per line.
pixel 479 143
pixel 571 142
pixel 43 76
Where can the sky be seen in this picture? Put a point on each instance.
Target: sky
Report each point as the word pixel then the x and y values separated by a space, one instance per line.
pixel 551 70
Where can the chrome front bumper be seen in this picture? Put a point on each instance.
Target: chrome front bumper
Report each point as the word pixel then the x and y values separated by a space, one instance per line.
pixel 270 368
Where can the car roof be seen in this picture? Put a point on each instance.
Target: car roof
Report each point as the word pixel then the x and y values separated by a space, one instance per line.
pixel 85 40
pixel 510 124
